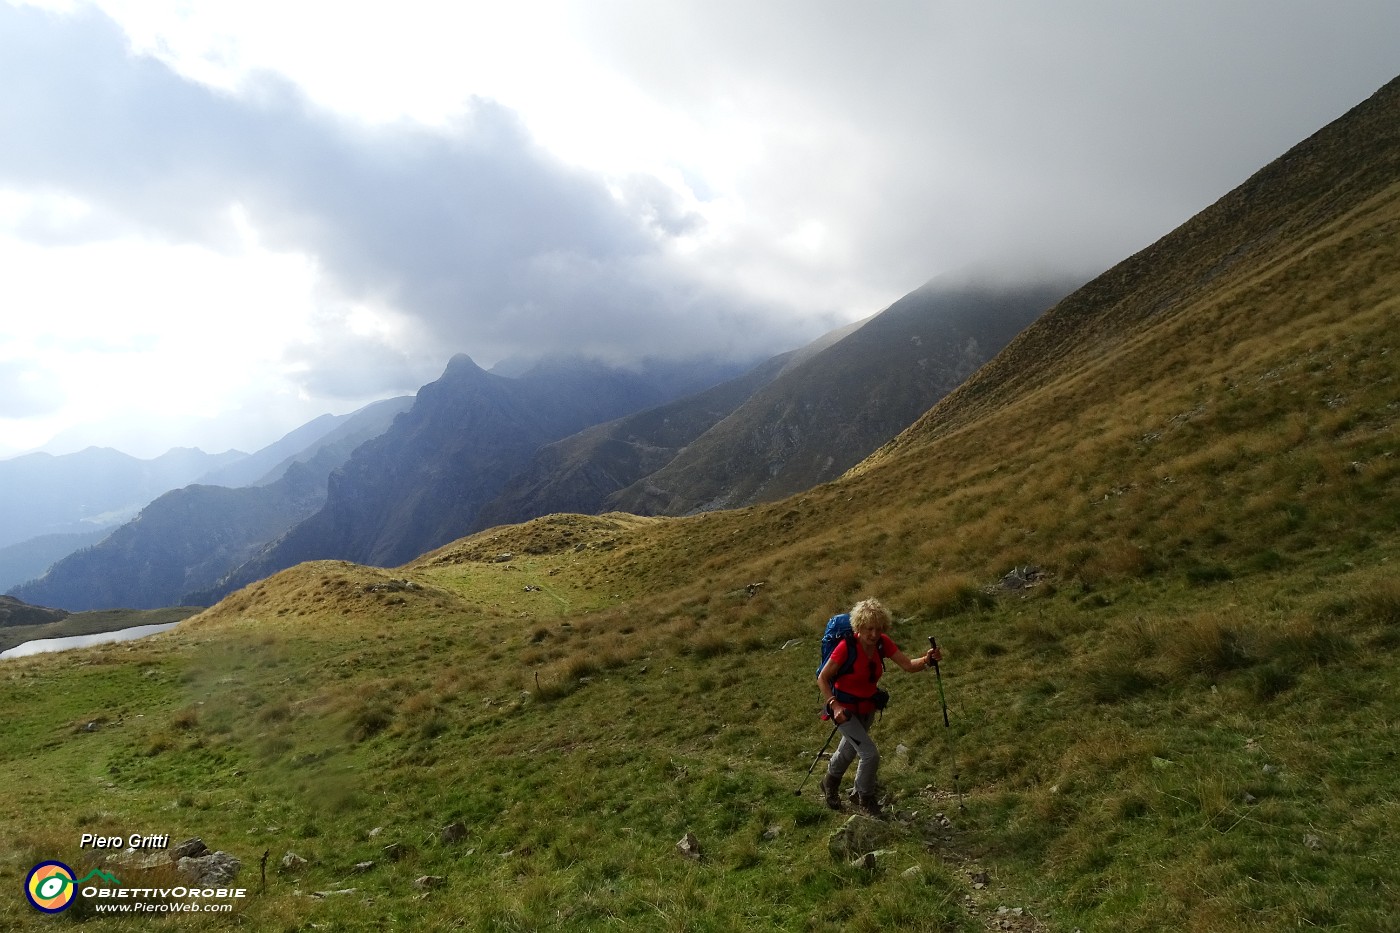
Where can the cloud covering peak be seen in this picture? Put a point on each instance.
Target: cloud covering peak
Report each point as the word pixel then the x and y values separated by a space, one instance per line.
pixel 259 213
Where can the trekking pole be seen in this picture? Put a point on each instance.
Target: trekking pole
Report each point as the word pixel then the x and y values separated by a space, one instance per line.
pixel 939 674
pixel 798 792
pixel 944 703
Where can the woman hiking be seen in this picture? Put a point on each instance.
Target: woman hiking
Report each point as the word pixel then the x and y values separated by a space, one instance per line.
pixel 849 688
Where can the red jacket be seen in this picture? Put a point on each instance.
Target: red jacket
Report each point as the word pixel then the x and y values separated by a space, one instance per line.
pixel 856 688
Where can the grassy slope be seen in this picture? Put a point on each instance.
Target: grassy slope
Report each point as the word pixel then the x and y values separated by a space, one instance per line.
pixel 1189 725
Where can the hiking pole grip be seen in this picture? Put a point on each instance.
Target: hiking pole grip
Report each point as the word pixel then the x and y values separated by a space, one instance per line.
pixel 939 674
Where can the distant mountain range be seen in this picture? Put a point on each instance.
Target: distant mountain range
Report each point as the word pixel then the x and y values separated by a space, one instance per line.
pixel 800 419
pixel 478 448
pixel 424 481
pixel 188 538
pixel 30 558
pixel 52 506
pixel 43 494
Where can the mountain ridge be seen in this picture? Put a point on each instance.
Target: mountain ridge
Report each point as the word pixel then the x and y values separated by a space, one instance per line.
pixel 1303 197
pixel 423 482
pixel 828 412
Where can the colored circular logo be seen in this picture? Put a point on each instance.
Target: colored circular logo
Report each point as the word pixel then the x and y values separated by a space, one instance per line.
pixel 50 887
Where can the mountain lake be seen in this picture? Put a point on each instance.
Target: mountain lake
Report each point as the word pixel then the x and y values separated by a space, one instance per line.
pixel 41 645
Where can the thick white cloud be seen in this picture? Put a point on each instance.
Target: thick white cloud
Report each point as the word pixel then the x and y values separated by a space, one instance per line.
pixel 933 135
pixel 289 208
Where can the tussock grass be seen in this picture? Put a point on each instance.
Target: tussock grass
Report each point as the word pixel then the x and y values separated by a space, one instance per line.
pixel 1206 644
pixel 1377 604
pixel 945 598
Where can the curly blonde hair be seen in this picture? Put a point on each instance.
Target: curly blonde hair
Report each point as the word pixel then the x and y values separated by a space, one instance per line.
pixel 870 614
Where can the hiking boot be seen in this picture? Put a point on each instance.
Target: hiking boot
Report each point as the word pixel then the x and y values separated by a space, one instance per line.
pixel 870 803
pixel 831 787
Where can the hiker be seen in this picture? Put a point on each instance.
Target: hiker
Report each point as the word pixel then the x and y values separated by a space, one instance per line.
pixel 853 696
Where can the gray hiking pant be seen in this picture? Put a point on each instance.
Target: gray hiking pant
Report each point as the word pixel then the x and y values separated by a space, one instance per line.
pixel 855 740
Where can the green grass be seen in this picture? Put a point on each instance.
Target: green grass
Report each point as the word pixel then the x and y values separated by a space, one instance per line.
pixel 1125 765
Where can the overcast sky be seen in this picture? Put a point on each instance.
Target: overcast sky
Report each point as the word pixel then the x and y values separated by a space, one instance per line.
pixel 219 220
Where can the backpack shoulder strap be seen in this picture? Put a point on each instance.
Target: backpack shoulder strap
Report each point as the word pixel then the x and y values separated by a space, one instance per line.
pixel 850 662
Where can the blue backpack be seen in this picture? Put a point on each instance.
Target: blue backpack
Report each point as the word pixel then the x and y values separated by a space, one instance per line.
pixel 838 629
